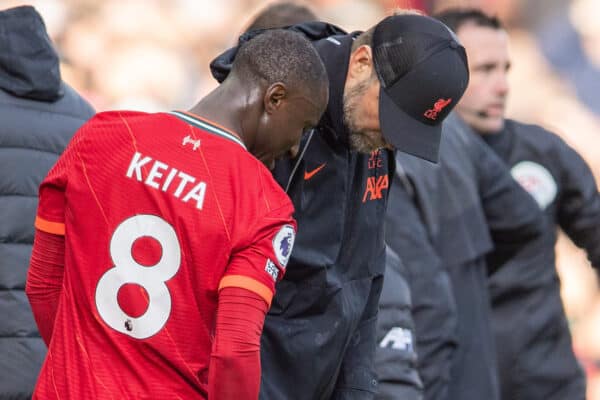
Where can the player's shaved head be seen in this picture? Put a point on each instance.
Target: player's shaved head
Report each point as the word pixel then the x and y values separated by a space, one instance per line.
pixel 277 88
pixel 281 14
pixel 282 56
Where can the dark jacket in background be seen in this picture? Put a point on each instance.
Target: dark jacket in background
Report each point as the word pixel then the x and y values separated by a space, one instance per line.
pixel 398 337
pixel 537 360
pixel 433 306
pixel 38 116
pixel 319 336
pixel 469 203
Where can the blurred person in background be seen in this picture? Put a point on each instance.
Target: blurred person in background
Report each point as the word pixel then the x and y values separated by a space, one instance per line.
pixel 400 358
pixel 396 361
pixel 280 14
pixel 159 237
pixel 467 204
pixel 39 113
pixel 535 355
pixel 320 337
pixel 442 220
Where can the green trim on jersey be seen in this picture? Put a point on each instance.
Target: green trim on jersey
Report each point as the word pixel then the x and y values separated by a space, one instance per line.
pixel 207 126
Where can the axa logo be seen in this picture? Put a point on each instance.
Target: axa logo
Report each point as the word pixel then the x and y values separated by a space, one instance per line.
pixel 375 186
pixel 438 107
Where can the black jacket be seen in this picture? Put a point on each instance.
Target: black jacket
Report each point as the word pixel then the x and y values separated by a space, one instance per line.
pixel 433 305
pixel 396 355
pixel 38 116
pixel 525 290
pixel 319 336
pixel 469 203
pixel 568 195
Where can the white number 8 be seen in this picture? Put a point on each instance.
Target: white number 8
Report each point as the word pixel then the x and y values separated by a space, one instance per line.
pixel 151 278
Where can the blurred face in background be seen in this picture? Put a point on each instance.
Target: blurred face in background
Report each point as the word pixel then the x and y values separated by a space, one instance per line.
pixel 484 102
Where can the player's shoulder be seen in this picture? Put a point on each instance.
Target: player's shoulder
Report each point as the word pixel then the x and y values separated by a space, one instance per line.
pixel 263 184
pixel 117 116
pixel 108 121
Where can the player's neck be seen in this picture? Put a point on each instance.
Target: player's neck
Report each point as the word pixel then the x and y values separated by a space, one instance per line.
pixel 224 108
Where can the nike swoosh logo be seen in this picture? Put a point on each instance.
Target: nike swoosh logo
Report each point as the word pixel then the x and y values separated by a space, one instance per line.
pixel 310 174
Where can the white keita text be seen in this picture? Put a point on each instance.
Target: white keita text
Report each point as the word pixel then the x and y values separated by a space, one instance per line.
pixel 160 176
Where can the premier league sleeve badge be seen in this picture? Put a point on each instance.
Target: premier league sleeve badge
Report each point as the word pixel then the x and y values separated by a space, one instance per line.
pixel 283 244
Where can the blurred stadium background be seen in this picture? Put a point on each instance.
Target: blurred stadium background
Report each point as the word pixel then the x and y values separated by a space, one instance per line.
pixel 153 55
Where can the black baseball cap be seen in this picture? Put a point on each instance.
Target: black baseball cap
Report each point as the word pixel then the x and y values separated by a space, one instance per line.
pixel 423 72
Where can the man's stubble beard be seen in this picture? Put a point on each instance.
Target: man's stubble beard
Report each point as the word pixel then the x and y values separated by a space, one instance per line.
pixel 361 140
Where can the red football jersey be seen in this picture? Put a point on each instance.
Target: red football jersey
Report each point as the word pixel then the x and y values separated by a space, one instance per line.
pixel 159 211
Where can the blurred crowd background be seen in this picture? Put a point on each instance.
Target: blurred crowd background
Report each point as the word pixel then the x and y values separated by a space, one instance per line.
pixel 153 55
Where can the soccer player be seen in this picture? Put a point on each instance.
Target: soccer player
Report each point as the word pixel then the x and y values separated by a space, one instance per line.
pixel 159 237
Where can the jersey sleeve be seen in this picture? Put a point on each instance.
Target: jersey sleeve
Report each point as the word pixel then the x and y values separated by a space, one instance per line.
pixel 260 259
pixel 51 207
pixel 262 263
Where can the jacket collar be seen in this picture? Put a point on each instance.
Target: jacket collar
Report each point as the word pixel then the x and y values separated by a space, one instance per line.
pixel 313 31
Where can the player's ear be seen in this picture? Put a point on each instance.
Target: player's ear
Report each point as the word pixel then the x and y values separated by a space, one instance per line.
pixel 275 95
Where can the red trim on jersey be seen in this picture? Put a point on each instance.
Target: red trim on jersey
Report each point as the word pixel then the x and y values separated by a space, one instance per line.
pixel 56 228
pixel 247 283
pixel 208 121
pixel 234 370
pixel 44 280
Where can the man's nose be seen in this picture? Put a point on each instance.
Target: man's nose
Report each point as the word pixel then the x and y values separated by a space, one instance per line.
pixel 502 86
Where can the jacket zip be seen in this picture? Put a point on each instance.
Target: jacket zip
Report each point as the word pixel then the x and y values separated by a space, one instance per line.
pixel 300 157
